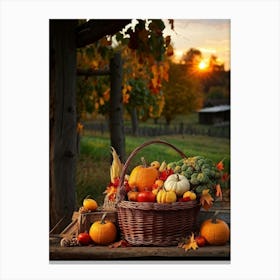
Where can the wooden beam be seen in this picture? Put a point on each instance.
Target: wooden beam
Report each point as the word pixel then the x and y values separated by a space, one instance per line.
pixel 63 148
pixel 93 30
pixel 90 72
pixel 116 107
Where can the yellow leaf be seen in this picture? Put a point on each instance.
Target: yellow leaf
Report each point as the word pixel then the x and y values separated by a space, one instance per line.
pixel 206 199
pixel 154 82
pixel 190 244
pixel 154 70
pixel 126 98
pixel 101 101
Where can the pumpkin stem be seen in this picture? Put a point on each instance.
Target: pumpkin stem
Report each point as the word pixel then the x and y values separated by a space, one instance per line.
pixel 88 196
pixel 144 162
pixel 214 218
pixel 103 218
pixel 178 179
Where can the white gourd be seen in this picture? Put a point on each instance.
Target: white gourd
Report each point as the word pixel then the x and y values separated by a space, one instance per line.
pixel 177 183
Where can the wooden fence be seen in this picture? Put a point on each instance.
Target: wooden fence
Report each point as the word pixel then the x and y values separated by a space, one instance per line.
pixel 219 130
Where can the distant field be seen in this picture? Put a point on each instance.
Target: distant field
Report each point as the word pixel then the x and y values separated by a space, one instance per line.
pixel 93 165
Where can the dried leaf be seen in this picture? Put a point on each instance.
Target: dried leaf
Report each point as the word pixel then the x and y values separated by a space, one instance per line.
pixel 225 177
pixel 206 199
pixel 190 244
pixel 119 244
pixel 219 191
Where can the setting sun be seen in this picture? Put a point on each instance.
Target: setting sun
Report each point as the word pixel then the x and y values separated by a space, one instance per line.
pixel 202 65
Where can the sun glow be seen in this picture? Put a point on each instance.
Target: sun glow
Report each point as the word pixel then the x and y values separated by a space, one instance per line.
pixel 202 65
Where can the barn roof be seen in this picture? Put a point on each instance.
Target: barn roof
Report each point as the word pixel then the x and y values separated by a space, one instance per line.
pixel 215 109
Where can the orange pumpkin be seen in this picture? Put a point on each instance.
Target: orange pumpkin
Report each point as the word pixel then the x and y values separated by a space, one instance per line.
pixel 215 231
pixel 132 195
pixel 143 177
pixel 103 232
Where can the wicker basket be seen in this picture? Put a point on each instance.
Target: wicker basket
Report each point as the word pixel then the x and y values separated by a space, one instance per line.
pixel 155 224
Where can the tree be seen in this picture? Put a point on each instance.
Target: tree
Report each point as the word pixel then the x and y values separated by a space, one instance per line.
pixel 144 51
pixel 182 93
pixel 191 59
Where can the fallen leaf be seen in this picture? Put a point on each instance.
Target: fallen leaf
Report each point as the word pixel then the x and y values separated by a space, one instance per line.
pixel 206 199
pixel 190 244
pixel 119 244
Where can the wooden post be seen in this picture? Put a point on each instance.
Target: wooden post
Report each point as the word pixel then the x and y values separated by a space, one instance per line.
pixel 116 107
pixel 63 132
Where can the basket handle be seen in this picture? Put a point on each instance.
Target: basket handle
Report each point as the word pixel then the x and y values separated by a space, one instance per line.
pixel 121 189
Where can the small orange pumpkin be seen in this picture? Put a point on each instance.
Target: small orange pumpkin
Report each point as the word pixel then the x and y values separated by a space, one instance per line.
pixel 143 177
pixel 215 231
pixel 103 232
pixel 132 195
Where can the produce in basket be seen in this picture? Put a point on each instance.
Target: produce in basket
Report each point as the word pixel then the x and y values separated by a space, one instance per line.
pixel 163 224
pixel 204 176
pixel 164 196
pixel 194 178
pixel 143 176
pixel 177 183
pixel 190 194
pixel 146 196
pixel 132 195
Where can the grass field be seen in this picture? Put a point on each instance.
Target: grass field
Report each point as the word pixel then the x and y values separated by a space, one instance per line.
pixel 93 166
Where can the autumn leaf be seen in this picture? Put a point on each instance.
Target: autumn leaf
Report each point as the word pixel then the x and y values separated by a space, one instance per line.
pixel 122 243
pixel 219 191
pixel 169 51
pixel 190 244
pixel 220 165
pixel 106 95
pixel 80 128
pixel 206 199
pixel 167 40
pixel 225 177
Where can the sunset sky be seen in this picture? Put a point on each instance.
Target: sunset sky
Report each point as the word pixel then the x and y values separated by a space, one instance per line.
pixel 210 36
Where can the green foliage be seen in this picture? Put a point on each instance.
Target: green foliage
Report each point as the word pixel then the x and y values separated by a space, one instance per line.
pixel 218 92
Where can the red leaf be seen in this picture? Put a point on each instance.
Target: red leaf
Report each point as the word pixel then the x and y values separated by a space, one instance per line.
pixel 119 244
pixel 220 165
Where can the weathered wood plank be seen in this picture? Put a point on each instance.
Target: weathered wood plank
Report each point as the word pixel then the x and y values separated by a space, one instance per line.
pixel 139 253
pixel 116 107
pixel 63 146
pixel 91 72
pixel 93 30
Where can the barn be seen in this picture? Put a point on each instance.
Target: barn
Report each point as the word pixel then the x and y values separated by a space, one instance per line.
pixel 213 115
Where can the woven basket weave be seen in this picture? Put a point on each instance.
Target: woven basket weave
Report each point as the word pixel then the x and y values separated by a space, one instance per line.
pixel 155 224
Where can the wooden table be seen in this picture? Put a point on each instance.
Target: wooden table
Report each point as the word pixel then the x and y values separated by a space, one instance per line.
pixel 222 253
pixel 138 253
